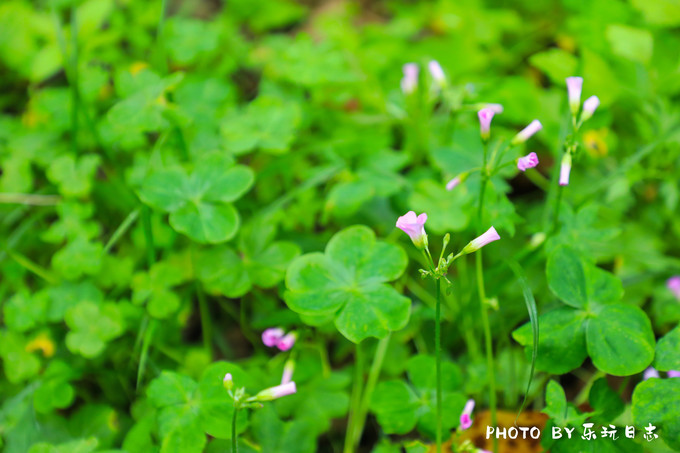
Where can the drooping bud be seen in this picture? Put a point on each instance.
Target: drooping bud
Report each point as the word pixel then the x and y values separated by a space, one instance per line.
pixel 528 161
pixel 278 391
pixel 524 135
pixel 409 82
pixel 228 381
pixel 489 236
pixel 565 169
pixel 271 336
pixel 589 106
pixel 437 73
pixel 454 182
pixel 574 86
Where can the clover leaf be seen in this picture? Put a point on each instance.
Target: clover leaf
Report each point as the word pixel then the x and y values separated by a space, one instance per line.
pixel 618 337
pixel 77 258
pixel 25 311
pixel 260 261
pixel 347 283
pixel 92 327
pixel 199 203
pixel 399 406
pixel 276 436
pixel 657 401
pixel 155 289
pixel 268 123
pixel 667 357
pixel 18 363
pixel 55 390
pixel 74 177
pixel 188 410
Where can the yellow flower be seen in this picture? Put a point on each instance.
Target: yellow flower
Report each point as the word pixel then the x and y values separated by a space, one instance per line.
pixel 595 142
pixel 138 67
pixel 42 343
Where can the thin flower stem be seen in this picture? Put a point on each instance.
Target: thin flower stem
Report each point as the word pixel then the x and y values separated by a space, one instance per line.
pixel 356 399
pixel 438 356
pixel 373 376
pixel 556 209
pixel 234 436
pixel 206 323
pixel 482 301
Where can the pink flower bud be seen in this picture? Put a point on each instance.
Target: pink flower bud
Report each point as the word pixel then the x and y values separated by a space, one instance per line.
pixel 673 374
pixel 273 393
pixel 437 72
pixel 414 226
pixel 466 416
pixel 528 161
pixel 409 82
pixel 485 116
pixel 495 108
pixel 673 284
pixel 271 337
pixel 453 183
pixel 589 106
pixel 489 236
pixel 228 381
pixel 565 169
pixel 288 369
pixel 287 342
pixel 650 373
pixel 527 132
pixel 574 85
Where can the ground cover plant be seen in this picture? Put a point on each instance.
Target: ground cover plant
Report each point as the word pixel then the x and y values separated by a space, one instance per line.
pixel 286 226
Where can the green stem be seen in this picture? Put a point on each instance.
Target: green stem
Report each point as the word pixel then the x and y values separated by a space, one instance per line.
pixel 75 99
pixel 121 230
pixel 482 301
pixel 373 376
pixel 356 400
pixel 148 236
pixel 29 199
pixel 556 210
pixel 234 435
pixel 438 355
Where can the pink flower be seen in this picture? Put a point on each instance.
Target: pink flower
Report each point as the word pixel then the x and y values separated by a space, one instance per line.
pixel 466 416
pixel 287 342
pixel 437 72
pixel 228 381
pixel 650 373
pixel 574 85
pixel 565 169
pixel 272 336
pixel 414 226
pixel 527 132
pixel 273 393
pixel 673 284
pixel 528 161
pixel 589 107
pixel 673 374
pixel 485 116
pixel 409 82
pixel 489 236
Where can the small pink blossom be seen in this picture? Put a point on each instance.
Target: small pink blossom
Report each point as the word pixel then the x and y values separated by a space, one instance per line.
pixel 489 236
pixel 589 107
pixel 495 108
pixel 527 132
pixel 414 226
pixel 409 82
pixel 271 337
pixel 565 169
pixel 437 72
pixel 673 374
pixel 574 86
pixel 673 284
pixel 528 161
pixel 466 416
pixel 278 391
pixel 485 116
pixel 650 373
pixel 287 341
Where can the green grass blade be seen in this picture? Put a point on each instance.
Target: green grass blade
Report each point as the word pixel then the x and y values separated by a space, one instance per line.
pixel 121 230
pixel 533 317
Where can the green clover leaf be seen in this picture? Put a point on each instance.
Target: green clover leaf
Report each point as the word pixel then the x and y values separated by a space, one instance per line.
pixel 18 363
pixel 667 357
pixel 77 258
pixel 187 410
pixel 92 327
pixel 259 262
pixel 276 436
pixel 657 401
pixel 347 282
pixel 268 123
pixel 155 289
pixel 618 337
pixel 400 407
pixel 74 178
pixel 200 203
pixel 55 390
